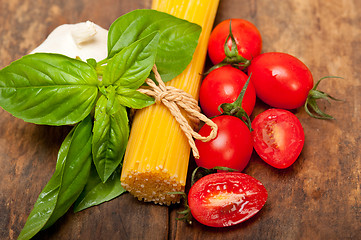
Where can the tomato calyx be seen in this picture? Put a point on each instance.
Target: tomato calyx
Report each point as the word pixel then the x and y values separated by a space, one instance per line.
pixel 313 96
pixel 235 109
pixel 186 213
pixel 233 57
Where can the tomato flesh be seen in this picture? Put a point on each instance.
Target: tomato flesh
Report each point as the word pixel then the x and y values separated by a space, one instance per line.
pixel 223 85
pixel 280 80
pixel 225 199
pixel 231 148
pixel 247 37
pixel 278 137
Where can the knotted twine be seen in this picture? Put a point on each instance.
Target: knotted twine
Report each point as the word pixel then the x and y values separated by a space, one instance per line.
pixel 176 99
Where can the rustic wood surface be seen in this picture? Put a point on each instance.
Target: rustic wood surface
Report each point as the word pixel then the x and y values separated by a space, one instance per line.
pixel 318 197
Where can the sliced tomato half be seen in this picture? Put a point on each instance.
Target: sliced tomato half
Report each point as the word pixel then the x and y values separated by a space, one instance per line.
pixel 278 137
pixel 226 198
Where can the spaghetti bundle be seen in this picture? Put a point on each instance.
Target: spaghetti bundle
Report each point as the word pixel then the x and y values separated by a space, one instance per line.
pixel 157 155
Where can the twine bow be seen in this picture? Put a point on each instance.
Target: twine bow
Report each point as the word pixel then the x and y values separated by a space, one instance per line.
pixel 175 100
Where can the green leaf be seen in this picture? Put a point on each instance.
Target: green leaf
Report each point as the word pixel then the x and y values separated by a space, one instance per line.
pixel 111 132
pixel 177 43
pixel 97 192
pixel 112 105
pixel 131 66
pixel 50 89
pixel 133 99
pixel 92 62
pixel 67 182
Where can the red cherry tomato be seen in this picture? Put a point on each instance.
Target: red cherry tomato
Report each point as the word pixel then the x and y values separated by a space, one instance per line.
pixel 223 85
pixel 226 199
pixel 246 35
pixel 281 80
pixel 278 137
pixel 231 148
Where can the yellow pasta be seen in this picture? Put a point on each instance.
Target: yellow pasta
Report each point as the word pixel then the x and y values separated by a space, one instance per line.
pixel 157 155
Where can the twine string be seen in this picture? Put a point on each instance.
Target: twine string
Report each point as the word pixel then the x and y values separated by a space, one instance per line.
pixel 175 100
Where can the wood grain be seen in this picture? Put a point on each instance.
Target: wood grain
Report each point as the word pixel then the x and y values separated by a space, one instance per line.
pixel 318 197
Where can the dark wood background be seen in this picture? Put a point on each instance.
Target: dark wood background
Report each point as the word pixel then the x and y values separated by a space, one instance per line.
pixel 316 198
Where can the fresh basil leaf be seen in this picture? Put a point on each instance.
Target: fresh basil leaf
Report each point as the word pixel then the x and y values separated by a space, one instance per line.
pixel 76 169
pixel 67 182
pixel 97 192
pixel 50 89
pixel 63 151
pixel 112 105
pixel 111 132
pixel 92 62
pixel 131 66
pixel 133 99
pixel 177 43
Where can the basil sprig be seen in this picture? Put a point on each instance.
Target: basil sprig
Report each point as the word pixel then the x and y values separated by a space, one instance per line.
pixel 53 89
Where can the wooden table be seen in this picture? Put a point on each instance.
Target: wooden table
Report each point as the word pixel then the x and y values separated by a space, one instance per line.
pixel 319 197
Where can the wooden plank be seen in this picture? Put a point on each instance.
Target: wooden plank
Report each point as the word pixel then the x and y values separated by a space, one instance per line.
pixel 316 198
pixel 319 196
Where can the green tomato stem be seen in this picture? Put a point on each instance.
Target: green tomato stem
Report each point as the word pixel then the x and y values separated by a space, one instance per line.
pixel 311 106
pixel 235 108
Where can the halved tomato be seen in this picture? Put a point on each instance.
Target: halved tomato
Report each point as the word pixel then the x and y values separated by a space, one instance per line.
pixel 278 137
pixel 226 198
